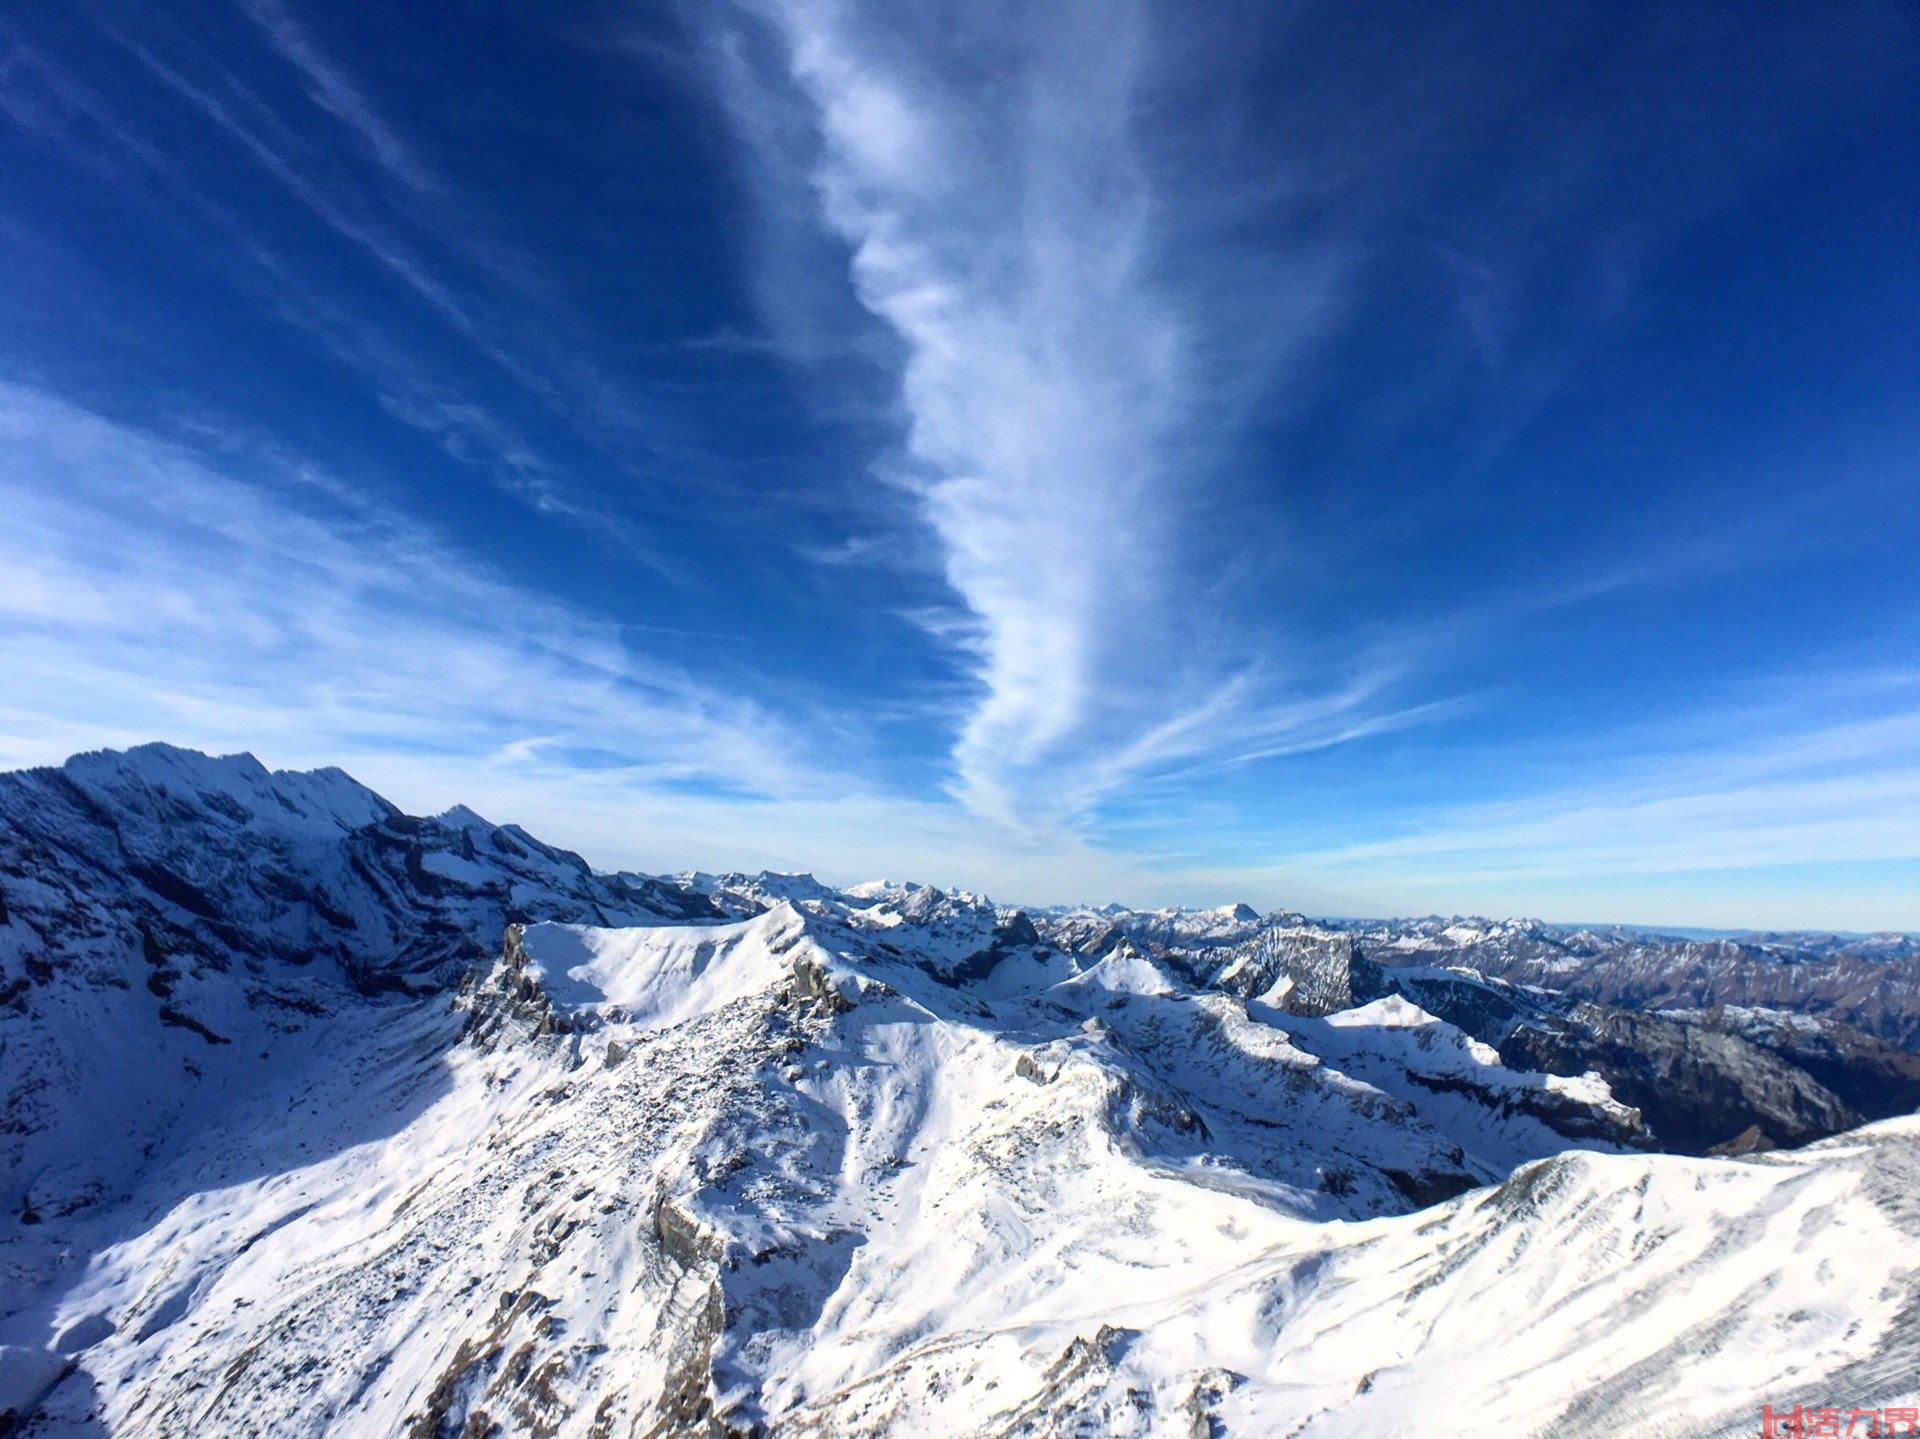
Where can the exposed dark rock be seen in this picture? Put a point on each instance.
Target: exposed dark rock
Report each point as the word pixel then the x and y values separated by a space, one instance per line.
pixel 1430 1187
pixel 1869 1075
pixel 1318 965
pixel 504 996
pixel 1696 1081
pixel 1029 1068
pixel 1696 1088
pixel 813 988
pixel 1868 983
pixel 1010 934
pixel 179 1020
pixel 1751 1140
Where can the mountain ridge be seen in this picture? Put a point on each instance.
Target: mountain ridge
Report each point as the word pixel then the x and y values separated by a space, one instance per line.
pixel 323 1119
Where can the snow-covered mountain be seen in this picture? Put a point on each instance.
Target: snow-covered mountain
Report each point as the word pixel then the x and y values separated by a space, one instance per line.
pixel 325 1120
pixel 171 922
pixel 1701 1079
pixel 1868 983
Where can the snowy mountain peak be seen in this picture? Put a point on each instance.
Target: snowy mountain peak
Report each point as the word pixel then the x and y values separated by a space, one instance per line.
pixel 461 818
pixel 151 778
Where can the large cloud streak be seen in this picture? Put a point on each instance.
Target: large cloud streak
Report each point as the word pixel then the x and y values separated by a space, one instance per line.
pixel 1008 232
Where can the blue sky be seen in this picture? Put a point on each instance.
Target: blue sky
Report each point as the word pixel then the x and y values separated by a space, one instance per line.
pixel 1373 459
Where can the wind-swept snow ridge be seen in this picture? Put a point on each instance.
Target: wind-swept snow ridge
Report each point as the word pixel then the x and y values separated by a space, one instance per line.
pixel 656 977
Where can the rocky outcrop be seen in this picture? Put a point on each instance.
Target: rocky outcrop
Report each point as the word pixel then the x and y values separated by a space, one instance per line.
pixel 1304 971
pixel 1870 1076
pixel 504 998
pixel 1696 1088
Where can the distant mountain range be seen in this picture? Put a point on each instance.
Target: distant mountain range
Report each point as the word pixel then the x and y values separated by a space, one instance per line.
pixel 325 1119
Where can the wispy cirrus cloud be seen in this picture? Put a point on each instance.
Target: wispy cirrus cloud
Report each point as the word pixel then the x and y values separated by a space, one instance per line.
pixel 1680 822
pixel 68 112
pixel 1198 336
pixel 335 92
pixel 152 594
pixel 1080 326
pixel 236 597
pixel 423 249
pixel 1011 237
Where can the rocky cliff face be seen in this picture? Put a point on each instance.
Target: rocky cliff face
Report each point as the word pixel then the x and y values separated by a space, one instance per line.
pixel 1870 1076
pixel 226 866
